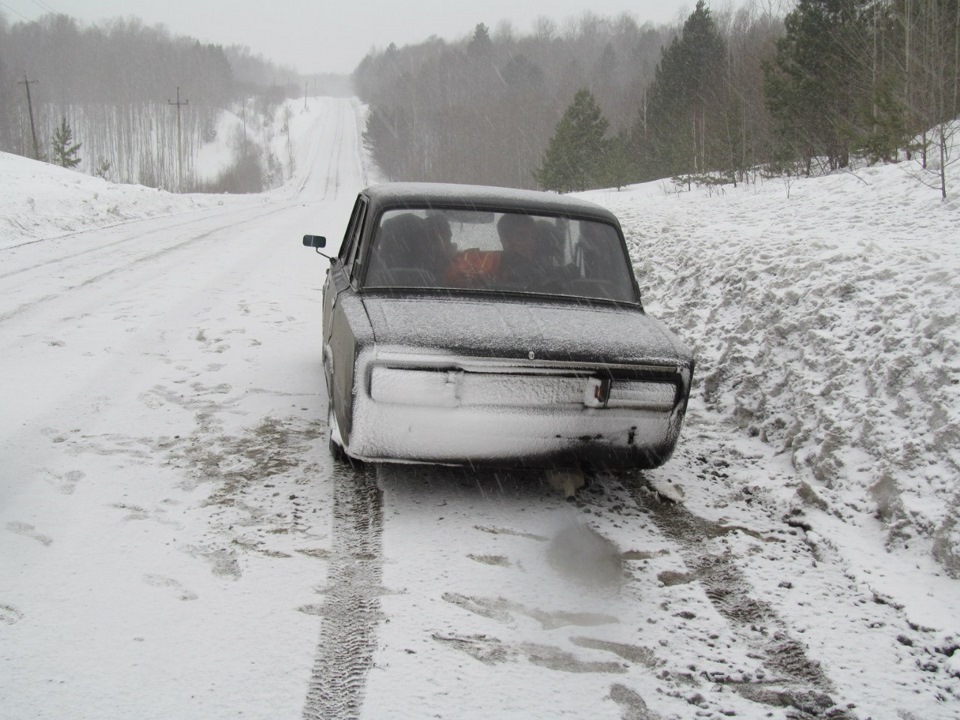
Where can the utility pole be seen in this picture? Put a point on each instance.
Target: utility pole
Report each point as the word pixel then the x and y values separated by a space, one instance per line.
pixel 178 103
pixel 243 113
pixel 36 148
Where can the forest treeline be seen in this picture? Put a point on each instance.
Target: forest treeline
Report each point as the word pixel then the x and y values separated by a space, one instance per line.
pixel 113 85
pixel 591 102
pixel 603 102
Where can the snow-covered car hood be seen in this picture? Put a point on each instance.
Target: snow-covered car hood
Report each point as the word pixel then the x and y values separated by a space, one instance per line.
pixel 513 328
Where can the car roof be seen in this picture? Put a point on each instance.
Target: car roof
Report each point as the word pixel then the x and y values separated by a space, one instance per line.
pixel 486 197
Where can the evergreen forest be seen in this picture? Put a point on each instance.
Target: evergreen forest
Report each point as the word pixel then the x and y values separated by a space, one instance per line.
pixel 717 98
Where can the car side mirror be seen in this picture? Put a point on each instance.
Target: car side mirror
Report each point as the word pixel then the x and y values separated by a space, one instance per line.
pixel 316 242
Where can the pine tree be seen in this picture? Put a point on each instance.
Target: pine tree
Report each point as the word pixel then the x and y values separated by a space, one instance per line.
pixel 64 153
pixel 819 89
pixel 617 167
pixel 103 169
pixel 576 155
pixel 673 135
pixel 481 46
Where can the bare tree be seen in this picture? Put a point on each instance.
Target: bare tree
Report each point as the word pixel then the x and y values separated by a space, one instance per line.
pixel 930 65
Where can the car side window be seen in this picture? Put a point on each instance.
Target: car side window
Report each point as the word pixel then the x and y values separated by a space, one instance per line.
pixel 346 246
pixel 355 261
pixel 351 240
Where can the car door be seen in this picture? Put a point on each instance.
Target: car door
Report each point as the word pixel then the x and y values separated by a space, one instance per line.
pixel 338 276
pixel 339 318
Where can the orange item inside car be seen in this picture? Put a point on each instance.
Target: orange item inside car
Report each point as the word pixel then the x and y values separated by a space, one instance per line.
pixel 472 267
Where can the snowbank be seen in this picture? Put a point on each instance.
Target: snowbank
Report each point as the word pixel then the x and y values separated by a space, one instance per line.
pixel 41 201
pixel 826 319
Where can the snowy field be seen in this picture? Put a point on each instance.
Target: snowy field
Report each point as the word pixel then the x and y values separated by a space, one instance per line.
pixel 175 541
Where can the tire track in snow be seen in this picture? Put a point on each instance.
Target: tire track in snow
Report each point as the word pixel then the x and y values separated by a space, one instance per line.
pixel 314 154
pixel 332 171
pixel 799 683
pixel 137 237
pixel 335 150
pixel 351 612
pixel 133 263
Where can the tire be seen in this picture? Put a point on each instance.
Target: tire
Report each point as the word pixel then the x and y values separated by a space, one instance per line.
pixel 335 443
pixel 337 451
pixel 333 434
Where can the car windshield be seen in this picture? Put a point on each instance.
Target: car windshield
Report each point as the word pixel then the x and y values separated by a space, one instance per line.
pixel 499 252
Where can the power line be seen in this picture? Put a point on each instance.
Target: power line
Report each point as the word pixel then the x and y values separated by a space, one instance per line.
pixel 44 6
pixel 15 12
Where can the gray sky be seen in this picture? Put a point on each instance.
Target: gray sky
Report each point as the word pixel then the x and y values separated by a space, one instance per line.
pixel 334 35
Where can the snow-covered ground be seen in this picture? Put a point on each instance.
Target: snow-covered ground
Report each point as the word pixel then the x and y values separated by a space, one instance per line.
pixel 826 320
pixel 40 202
pixel 826 323
pixel 175 541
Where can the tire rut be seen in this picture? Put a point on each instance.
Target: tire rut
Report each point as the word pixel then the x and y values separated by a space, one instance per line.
pixel 799 683
pixel 351 611
pixel 105 248
pixel 132 263
pixel 314 155
pixel 335 161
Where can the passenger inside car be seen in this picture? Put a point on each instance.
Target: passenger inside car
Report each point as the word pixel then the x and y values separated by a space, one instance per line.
pixel 550 242
pixel 504 251
pixel 407 253
pixel 522 260
pixel 439 229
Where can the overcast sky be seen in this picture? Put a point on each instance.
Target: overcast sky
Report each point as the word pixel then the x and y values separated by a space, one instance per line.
pixel 334 35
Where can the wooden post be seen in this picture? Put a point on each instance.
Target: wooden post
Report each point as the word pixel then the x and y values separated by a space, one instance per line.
pixel 36 148
pixel 178 103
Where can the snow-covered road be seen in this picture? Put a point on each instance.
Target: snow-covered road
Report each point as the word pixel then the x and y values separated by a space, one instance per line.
pixel 175 541
pixel 156 376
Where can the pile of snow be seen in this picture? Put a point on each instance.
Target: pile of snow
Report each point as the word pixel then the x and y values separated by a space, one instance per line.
pixel 825 314
pixel 42 201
